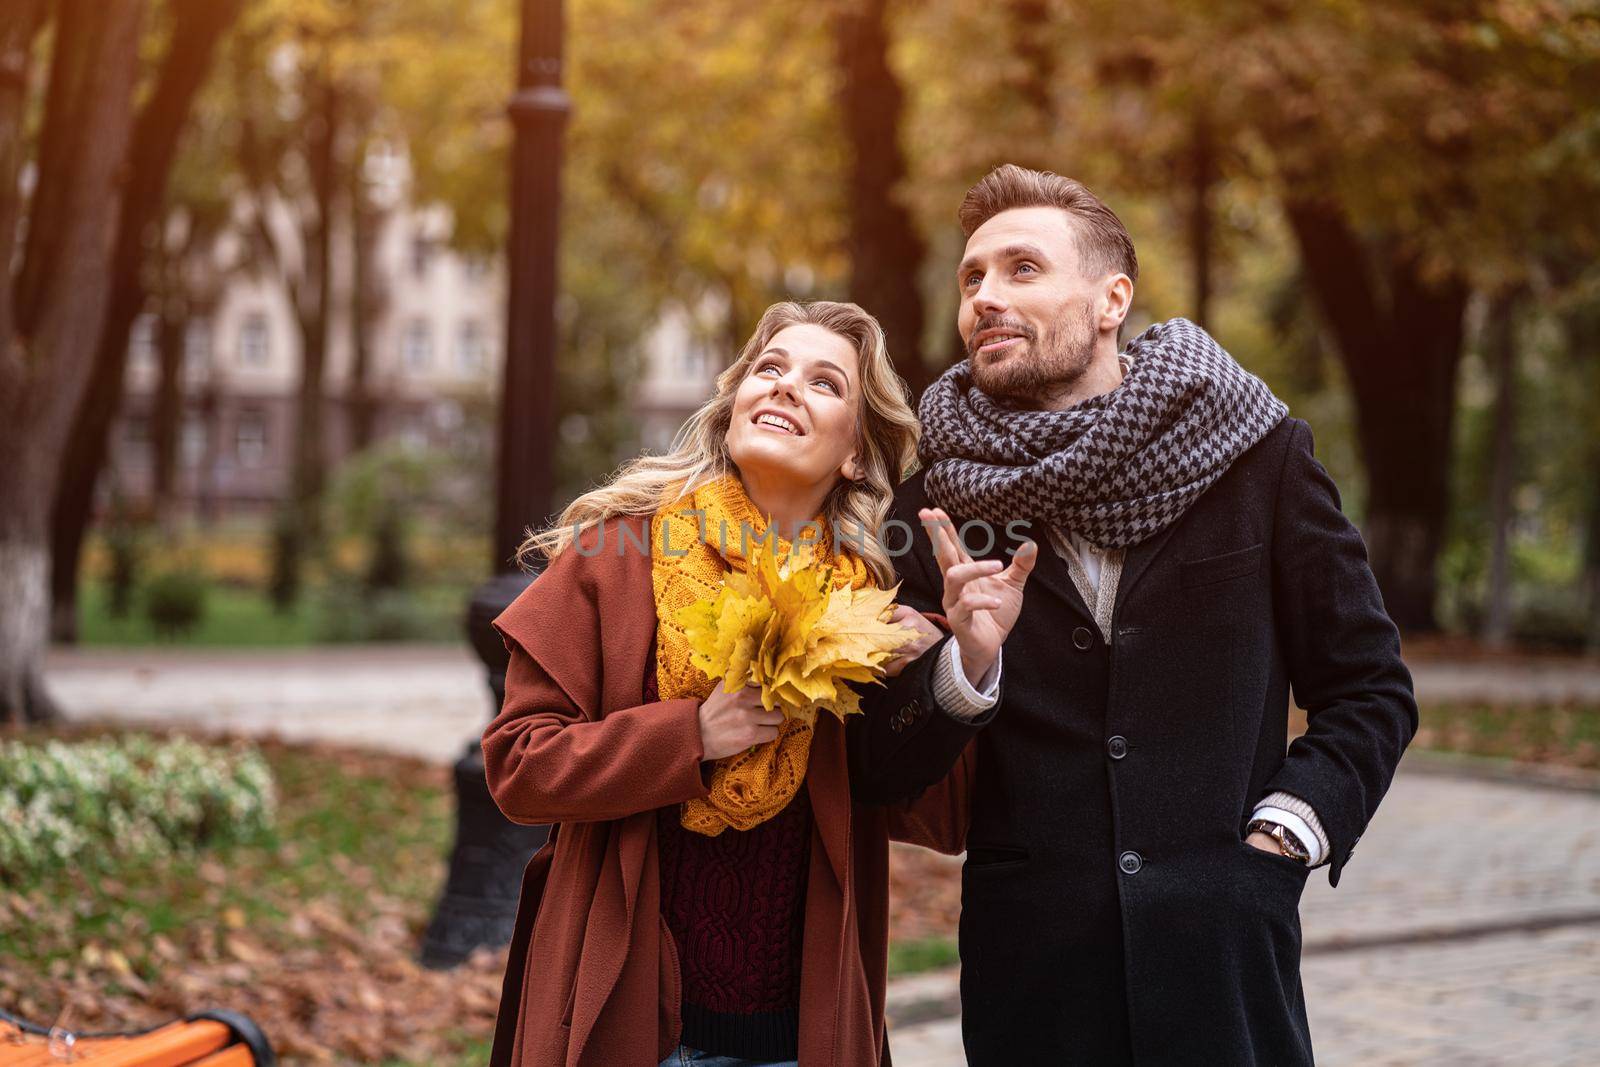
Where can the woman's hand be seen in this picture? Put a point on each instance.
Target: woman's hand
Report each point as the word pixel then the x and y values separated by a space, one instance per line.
pixel 927 636
pixel 981 599
pixel 733 722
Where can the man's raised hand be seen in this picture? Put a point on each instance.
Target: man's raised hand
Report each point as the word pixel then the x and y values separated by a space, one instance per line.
pixel 982 599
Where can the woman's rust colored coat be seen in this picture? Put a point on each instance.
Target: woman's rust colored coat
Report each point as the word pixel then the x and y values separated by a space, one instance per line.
pixel 593 976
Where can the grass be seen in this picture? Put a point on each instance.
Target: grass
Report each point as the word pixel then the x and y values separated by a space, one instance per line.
pixel 923 954
pixel 475 1053
pixel 1566 735
pixel 237 617
pixel 233 617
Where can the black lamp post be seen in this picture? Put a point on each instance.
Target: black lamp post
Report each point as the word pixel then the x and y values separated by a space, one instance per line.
pixel 479 904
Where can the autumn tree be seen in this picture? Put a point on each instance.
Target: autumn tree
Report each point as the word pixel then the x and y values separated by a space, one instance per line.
pixel 886 248
pixel 1401 145
pixel 58 282
pixel 193 29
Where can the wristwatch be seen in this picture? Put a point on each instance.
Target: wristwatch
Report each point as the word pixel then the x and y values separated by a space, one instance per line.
pixel 1288 844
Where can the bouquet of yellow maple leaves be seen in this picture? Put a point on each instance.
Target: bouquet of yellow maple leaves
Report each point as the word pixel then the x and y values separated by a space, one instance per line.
pixel 781 625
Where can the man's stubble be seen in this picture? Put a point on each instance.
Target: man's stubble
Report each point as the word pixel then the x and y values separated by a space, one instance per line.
pixel 1048 366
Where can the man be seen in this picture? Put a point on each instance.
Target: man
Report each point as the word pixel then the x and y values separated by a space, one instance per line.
pixel 1140 831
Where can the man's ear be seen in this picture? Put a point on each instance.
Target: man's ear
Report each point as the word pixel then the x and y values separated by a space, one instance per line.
pixel 1118 300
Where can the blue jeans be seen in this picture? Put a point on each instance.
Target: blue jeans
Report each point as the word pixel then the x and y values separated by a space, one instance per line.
pixel 686 1056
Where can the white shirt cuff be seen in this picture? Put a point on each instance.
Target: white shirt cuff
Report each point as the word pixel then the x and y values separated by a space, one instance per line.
pixel 958 696
pixel 1297 826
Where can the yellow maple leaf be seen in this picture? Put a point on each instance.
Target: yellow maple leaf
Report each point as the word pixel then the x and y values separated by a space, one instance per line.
pixel 782 625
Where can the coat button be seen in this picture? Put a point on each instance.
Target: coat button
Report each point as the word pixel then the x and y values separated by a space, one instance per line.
pixel 1130 862
pixel 1082 639
pixel 1117 746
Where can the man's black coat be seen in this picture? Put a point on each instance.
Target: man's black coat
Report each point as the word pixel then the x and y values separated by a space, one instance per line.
pixel 1111 910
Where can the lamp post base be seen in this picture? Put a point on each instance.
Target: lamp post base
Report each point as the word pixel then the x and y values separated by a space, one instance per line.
pixel 479 905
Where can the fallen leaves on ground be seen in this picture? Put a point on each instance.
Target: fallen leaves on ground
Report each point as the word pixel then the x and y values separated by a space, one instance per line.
pixel 314 937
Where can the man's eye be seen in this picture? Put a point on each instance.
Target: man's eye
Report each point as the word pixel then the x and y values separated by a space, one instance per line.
pixel 971 280
pixel 1027 267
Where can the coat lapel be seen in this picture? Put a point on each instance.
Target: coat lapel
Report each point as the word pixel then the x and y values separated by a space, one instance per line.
pixel 1136 561
pixel 1050 570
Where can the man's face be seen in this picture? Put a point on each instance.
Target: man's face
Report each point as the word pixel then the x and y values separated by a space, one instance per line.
pixel 1029 315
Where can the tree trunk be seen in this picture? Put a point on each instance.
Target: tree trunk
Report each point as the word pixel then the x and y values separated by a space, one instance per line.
pixel 1401 351
pixel 366 302
pixel 1202 180
pixel 50 324
pixel 1582 330
pixel 198 25
pixel 886 251
pixel 1502 351
pixel 315 298
pixel 166 421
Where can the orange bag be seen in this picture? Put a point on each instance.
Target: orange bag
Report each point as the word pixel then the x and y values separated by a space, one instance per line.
pixel 210 1039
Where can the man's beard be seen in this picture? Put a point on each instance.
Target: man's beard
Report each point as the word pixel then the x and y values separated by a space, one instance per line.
pixel 1048 365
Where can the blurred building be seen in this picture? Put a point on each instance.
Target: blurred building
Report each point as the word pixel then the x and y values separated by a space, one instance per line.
pixel 434 343
pixel 680 359
pixel 433 338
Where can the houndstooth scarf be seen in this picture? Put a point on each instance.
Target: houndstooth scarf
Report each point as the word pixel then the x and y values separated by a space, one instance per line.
pixel 1115 469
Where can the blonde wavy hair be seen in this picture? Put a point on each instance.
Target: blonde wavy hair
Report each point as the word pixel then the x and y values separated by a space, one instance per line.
pixel 886 427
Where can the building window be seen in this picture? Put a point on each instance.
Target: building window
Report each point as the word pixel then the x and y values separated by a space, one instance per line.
pixel 142 341
pixel 471 350
pixel 250 438
pixel 254 347
pixel 421 255
pixel 136 439
pixel 416 346
pixel 691 362
pixel 192 440
pixel 197 345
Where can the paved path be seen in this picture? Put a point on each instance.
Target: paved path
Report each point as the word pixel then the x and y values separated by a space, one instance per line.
pixel 1465 932
pixel 416 700
pixel 428 700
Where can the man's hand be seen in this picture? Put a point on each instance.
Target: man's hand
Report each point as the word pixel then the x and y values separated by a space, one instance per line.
pixel 1264 842
pixel 983 599
pixel 928 635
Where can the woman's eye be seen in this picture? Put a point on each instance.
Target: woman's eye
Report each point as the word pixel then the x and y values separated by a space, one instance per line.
pixel 766 367
pixel 830 384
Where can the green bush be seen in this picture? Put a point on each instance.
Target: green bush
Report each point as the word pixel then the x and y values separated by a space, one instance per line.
pixel 288 551
pixel 1542 616
pixel 348 612
pixel 175 601
pixel 125 549
pixel 91 803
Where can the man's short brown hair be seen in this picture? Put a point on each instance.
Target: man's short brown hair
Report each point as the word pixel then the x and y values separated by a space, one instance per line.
pixel 1103 240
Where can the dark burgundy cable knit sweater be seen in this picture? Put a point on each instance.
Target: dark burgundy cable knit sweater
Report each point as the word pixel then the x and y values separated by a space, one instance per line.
pixel 735 905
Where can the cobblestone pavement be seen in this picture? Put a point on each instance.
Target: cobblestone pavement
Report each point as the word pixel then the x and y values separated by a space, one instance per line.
pixel 1466 931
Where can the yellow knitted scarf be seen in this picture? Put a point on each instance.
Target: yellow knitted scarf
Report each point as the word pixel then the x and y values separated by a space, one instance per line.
pixel 749 788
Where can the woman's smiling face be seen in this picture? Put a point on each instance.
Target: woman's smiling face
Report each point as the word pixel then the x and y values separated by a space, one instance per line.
pixel 795 415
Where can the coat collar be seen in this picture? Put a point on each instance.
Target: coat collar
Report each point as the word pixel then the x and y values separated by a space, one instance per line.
pixel 1051 570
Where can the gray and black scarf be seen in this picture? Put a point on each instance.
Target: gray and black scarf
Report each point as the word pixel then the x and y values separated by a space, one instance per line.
pixel 1115 469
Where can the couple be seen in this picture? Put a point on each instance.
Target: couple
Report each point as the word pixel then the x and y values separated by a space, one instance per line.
pixel 1150 538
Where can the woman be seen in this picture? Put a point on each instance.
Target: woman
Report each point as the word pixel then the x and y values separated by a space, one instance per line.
pixel 676 916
